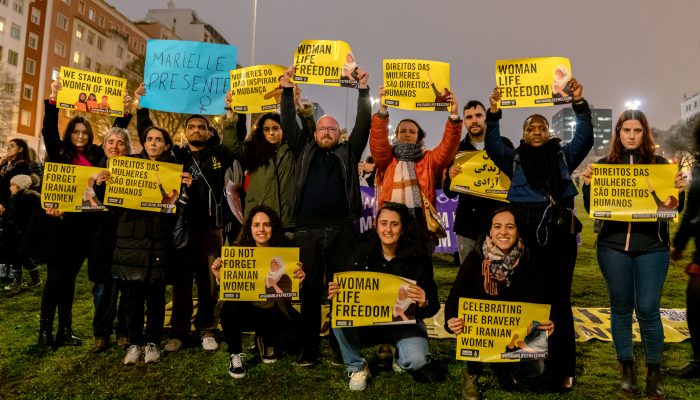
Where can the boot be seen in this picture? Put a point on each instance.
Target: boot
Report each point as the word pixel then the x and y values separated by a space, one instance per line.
pixel 64 336
pixel 45 333
pixel 689 370
pixel 654 388
pixel 628 384
pixel 35 280
pixel 470 386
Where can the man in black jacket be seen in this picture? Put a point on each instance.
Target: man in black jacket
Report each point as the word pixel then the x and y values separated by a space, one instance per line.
pixel 327 200
pixel 206 160
pixel 472 216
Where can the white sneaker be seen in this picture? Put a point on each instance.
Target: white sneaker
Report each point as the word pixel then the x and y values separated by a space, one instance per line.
pixel 209 343
pixel 133 355
pixel 358 379
pixel 235 368
pixel 152 354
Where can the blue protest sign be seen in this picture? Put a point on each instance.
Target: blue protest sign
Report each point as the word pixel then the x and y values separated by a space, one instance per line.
pixel 187 77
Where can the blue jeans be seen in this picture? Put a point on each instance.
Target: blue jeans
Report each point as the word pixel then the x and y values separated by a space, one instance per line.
pixel 104 299
pixel 411 344
pixel 635 282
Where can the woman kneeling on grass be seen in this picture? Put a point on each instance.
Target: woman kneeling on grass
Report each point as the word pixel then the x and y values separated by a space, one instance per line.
pixel 393 247
pixel 263 228
pixel 499 268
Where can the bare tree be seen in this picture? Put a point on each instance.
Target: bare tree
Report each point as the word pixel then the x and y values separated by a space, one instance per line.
pixel 677 142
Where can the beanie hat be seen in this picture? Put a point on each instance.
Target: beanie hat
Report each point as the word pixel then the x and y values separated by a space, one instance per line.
pixel 23 181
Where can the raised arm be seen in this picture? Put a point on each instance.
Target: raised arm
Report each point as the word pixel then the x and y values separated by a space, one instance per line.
pixel 379 146
pixel 582 142
pixel 497 151
pixel 360 131
pixel 288 118
pixel 444 153
pixel 49 128
pixel 143 115
pixel 124 120
pixel 230 137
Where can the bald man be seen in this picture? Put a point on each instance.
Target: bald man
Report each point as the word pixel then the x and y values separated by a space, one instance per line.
pixel 327 200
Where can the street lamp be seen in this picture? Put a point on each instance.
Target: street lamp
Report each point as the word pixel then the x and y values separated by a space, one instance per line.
pixel 632 104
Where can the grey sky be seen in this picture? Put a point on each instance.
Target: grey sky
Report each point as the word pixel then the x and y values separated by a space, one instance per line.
pixel 619 49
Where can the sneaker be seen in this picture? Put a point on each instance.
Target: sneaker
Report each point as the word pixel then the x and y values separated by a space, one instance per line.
pixel 123 341
pixel 306 362
pixel 173 345
pixel 395 366
pixel 133 355
pixel 16 284
pixel 358 379
pixel 100 344
pixel 235 368
pixel 152 354
pixel 267 352
pixel 209 343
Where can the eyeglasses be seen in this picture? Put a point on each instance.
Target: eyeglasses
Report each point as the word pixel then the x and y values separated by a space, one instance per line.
pixel 328 129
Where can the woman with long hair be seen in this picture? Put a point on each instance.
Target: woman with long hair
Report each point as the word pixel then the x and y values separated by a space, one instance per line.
pixel 633 257
pixel 262 228
pixel 17 161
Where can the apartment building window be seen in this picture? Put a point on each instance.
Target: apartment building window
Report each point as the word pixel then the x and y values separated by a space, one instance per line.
pixel 102 21
pixel 2 25
pixel 98 67
pixel 36 16
pixel 91 38
pixel 28 92
pixel 59 48
pixel 33 41
pixel 88 62
pixel 62 21
pixel 81 7
pixel 29 66
pixel 79 32
pixel 55 73
pixel 12 57
pixel 3 2
pixel 91 14
pixel 15 31
pixel 17 7
pixel 143 47
pixel 99 43
pixel 26 118
pixel 120 51
pixel 76 57
pixel 10 87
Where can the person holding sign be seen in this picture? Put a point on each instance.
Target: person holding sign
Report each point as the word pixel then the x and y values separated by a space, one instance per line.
pixel 263 229
pixel 406 170
pixel 393 247
pixel 500 267
pixel 269 162
pixel 206 160
pixel 75 236
pixel 690 228
pixel 471 217
pixel 327 200
pixel 633 257
pixel 542 194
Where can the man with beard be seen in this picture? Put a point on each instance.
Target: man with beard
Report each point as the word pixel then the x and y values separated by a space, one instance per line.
pixel 542 193
pixel 327 200
pixel 206 159
pixel 472 216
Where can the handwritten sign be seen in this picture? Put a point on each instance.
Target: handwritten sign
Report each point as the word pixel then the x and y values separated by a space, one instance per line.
pixel 417 84
pixel 256 89
pixel 259 273
pixel 141 184
pixel 187 77
pixel 480 176
pixel 91 92
pixel 70 188
pixel 634 193
pixel 534 82
pixel 325 62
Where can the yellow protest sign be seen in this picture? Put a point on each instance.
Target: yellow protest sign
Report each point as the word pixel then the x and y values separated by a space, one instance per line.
pixel 325 62
pixel 91 92
pixel 480 176
pixel 634 193
pixel 259 273
pixel 416 84
pixel 70 188
pixel 141 184
pixel 256 89
pixel 594 323
pixel 501 331
pixel 372 298
pixel 534 82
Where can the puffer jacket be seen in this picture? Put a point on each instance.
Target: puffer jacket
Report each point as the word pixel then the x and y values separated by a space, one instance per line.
pixel 433 162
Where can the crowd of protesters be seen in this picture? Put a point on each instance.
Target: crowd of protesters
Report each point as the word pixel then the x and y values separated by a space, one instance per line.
pixel 302 189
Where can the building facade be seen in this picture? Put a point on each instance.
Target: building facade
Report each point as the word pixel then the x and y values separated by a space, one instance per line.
pixel 690 106
pixel 185 23
pixel 13 33
pixel 564 126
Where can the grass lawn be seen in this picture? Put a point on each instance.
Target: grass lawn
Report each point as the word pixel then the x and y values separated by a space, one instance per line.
pixel 71 373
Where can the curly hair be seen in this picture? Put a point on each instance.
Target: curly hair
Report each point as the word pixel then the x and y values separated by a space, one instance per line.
pixel 258 150
pixel 245 237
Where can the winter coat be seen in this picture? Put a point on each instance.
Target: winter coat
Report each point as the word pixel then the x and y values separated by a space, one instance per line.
pixel 8 171
pixel 690 224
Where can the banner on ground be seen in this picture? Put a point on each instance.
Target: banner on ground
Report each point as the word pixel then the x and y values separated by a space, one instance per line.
pixel 372 298
pixel 634 193
pixel 325 62
pixel 594 323
pixel 187 77
pixel 141 184
pixel 256 89
pixel 416 84
pixel 259 273
pixel 445 208
pixel 91 92
pixel 534 82
pixel 70 188
pixel 501 331
pixel 480 176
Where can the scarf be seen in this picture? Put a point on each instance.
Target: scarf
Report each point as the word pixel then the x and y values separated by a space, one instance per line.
pixel 541 166
pixel 276 275
pixel 405 189
pixel 497 266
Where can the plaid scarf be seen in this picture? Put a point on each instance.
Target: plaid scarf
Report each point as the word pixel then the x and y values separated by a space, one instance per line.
pixel 497 266
pixel 405 189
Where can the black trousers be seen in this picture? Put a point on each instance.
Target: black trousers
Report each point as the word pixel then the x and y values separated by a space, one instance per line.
pixel 152 295
pixel 239 316
pixel 322 251
pixel 692 296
